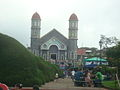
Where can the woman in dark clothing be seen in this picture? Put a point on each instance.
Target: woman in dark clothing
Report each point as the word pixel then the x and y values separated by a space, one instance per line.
pixel 36 87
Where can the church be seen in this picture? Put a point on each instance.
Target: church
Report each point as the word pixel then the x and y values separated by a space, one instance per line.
pixel 54 45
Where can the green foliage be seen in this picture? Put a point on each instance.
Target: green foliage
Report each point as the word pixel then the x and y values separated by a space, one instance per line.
pixel 114 52
pixel 18 65
pixel 110 70
pixel 112 85
pixel 113 55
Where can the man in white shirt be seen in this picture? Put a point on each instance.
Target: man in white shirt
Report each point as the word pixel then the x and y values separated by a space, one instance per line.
pixel 73 73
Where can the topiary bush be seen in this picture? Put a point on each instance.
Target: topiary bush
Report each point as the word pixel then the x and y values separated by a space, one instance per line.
pixel 18 65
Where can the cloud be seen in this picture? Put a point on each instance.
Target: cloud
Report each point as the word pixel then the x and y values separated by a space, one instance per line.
pixel 96 17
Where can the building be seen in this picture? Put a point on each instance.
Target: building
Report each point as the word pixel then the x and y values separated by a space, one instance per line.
pixel 53 45
pixel 86 52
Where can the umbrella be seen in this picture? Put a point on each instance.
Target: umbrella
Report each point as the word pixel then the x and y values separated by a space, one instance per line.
pixel 95 59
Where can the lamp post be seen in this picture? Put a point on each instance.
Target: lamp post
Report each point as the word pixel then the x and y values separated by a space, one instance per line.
pixel 100 44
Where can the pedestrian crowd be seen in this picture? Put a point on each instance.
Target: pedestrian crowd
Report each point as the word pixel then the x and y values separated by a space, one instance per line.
pixel 87 77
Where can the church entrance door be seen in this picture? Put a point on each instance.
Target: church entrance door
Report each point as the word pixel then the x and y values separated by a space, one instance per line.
pixel 53 56
pixel 53 52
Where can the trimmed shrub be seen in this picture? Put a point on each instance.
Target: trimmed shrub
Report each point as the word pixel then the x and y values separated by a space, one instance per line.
pixel 18 65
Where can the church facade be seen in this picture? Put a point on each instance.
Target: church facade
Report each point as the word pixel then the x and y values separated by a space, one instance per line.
pixel 54 45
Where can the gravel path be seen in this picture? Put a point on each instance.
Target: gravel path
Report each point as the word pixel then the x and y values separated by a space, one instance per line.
pixel 65 84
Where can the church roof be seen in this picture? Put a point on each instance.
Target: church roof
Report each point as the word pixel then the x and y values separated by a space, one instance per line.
pixel 36 16
pixel 73 17
pixel 53 33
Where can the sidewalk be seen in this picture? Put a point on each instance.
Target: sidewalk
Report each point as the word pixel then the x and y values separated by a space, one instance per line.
pixel 65 84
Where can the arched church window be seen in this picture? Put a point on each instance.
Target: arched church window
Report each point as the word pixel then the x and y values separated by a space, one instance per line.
pixel 35 23
pixel 72 24
pixel 72 34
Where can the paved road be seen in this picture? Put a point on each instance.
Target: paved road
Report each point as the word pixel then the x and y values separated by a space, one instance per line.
pixel 65 84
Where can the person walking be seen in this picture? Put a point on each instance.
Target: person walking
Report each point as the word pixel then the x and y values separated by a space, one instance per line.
pixel 56 77
pixel 36 87
pixel 18 86
pixel 72 74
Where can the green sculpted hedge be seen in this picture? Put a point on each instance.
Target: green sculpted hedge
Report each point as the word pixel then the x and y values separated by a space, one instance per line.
pixel 18 65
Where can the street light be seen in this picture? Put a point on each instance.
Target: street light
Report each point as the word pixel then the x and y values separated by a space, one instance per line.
pixel 100 44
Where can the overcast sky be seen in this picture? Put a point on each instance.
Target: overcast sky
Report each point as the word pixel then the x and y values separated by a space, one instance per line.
pixel 96 17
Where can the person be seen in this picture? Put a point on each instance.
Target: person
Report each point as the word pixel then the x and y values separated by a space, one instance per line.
pixel 78 74
pixel 56 75
pixel 72 74
pixel 99 78
pixel 18 86
pixel 88 78
pixel 36 87
pixel 78 78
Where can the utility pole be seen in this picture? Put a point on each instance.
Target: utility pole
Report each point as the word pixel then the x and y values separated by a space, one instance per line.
pixel 100 44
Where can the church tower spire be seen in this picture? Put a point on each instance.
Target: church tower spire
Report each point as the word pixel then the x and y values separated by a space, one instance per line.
pixel 73 36
pixel 35 25
pixel 73 26
pixel 35 32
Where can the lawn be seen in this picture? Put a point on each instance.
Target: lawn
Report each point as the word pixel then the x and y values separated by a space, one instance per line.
pixel 111 84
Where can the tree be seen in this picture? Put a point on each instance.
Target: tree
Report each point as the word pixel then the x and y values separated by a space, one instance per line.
pixel 114 52
pixel 113 55
pixel 108 41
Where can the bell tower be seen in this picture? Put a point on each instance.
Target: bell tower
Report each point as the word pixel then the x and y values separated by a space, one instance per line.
pixel 35 25
pixel 73 37
pixel 73 27
pixel 35 32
